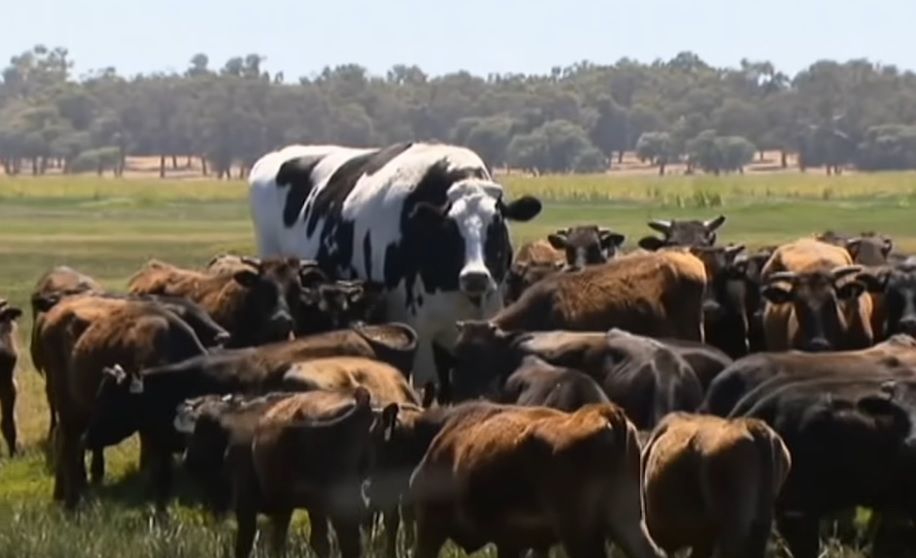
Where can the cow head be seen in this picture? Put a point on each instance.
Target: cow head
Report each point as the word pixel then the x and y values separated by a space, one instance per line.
pixel 682 233
pixel 870 249
pixel 465 244
pixel 586 244
pixel 725 317
pixel 524 274
pixel 337 305
pixel 118 407
pixel 817 299
pixel 482 352
pixel 272 292
pixel 898 285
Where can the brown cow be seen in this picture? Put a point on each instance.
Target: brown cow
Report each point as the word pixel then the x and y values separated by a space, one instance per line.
pixel 539 251
pixel 815 299
pixel 312 450
pixel 8 356
pixel 82 335
pixel 657 294
pixel 691 232
pixel 531 477
pixel 711 484
pixel 586 244
pixel 255 306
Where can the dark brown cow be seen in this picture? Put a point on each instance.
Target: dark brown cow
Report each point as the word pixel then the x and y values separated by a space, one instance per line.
pixel 256 307
pixel 332 305
pixel 658 294
pixel 725 319
pixel 82 335
pixel 312 451
pixel 523 275
pixel 8 357
pixel 869 248
pixel 895 290
pixel 682 233
pixel 531 477
pixel 586 244
pixel 711 484
pixel 815 300
pixel 537 383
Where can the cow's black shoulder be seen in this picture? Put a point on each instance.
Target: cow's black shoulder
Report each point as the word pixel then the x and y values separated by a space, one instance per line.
pixel 297 175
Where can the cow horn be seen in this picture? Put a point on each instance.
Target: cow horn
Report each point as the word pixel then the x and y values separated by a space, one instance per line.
pixel 789 276
pixel 845 270
pixel 715 223
pixel 660 225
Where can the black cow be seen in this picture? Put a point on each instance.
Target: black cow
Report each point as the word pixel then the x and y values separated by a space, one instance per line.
pixel 682 233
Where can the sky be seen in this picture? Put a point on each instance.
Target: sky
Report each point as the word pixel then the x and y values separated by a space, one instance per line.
pixel 300 37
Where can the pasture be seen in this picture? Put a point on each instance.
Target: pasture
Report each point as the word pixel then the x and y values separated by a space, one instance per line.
pixel 108 228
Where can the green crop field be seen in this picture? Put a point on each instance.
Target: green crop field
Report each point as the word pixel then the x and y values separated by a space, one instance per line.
pixel 108 228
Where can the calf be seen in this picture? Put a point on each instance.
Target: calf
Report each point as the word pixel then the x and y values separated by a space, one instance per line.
pixel 815 300
pixel 586 244
pixel 524 477
pixel 682 233
pixel 8 356
pixel 312 451
pixel 255 306
pixel 711 484
pixel 658 294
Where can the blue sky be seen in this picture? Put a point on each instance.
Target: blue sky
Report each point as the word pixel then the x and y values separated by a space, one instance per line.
pixel 300 37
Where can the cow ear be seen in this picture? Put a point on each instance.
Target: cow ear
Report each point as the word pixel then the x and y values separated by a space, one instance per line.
pixel 885 412
pixel 556 240
pixel 10 313
pixel 523 209
pixel 887 247
pixel 651 243
pixel 429 394
pixel 610 239
pixel 246 277
pixel 851 290
pixel 776 294
pixel 852 246
pixel 661 226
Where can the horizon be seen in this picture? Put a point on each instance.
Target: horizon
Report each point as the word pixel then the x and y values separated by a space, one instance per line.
pixel 508 39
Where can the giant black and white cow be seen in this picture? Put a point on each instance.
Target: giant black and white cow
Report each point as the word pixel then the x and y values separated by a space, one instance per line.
pixel 425 220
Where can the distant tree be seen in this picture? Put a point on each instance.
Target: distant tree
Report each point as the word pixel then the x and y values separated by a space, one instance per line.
pixel 703 152
pixel 657 148
pixel 734 153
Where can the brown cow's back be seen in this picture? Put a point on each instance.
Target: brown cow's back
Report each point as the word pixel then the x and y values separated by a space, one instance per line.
pixel 385 383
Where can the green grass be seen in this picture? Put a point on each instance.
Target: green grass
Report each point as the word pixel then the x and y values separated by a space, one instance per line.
pixel 108 228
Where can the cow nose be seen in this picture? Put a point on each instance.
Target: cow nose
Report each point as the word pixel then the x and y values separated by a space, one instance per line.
pixel 908 325
pixel 475 282
pixel 818 344
pixel 281 323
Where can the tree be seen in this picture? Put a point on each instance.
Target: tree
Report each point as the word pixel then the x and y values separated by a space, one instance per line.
pixel 657 148
pixel 734 152
pixel 703 152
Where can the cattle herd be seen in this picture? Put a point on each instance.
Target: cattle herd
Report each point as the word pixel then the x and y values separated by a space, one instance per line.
pixel 386 357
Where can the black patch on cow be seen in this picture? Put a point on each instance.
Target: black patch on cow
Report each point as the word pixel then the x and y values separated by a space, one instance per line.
pixel 335 250
pixel 367 254
pixel 497 249
pixel 297 174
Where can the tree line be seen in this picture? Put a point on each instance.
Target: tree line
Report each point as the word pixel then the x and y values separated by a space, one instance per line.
pixel 580 118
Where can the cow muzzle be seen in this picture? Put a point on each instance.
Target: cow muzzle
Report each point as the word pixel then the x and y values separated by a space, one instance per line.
pixel 908 325
pixel 281 324
pixel 476 284
pixel 818 345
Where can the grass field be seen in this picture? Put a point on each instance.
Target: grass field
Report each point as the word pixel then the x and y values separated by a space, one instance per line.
pixel 108 228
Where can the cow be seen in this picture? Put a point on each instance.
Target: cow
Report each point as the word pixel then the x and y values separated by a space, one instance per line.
pixel 425 220
pixel 531 477
pixel 255 306
pixel 223 264
pixel 867 249
pixel 752 264
pixel 682 233
pixel 8 357
pixel 80 336
pixel 540 251
pixel 537 383
pixel 851 441
pixel 896 287
pixel 145 400
pixel 725 318
pixel 756 373
pixel 337 305
pixel 524 274
pixel 312 450
pixel 706 362
pixel 642 375
pixel 586 244
pixel 711 484
pixel 814 299
pixel 658 294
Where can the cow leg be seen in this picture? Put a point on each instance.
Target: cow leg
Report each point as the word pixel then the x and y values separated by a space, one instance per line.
pixel 7 407
pixel 508 551
pixel 97 469
pixel 280 532
pixel 409 525
pixel 430 538
pixel 392 520
pixel 60 466
pixel 72 468
pixel 633 537
pixel 246 517
pixel 588 545
pixel 801 534
pixel 348 537
pixel 318 538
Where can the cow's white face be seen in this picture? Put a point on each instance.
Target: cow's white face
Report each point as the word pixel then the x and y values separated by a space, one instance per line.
pixel 476 215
